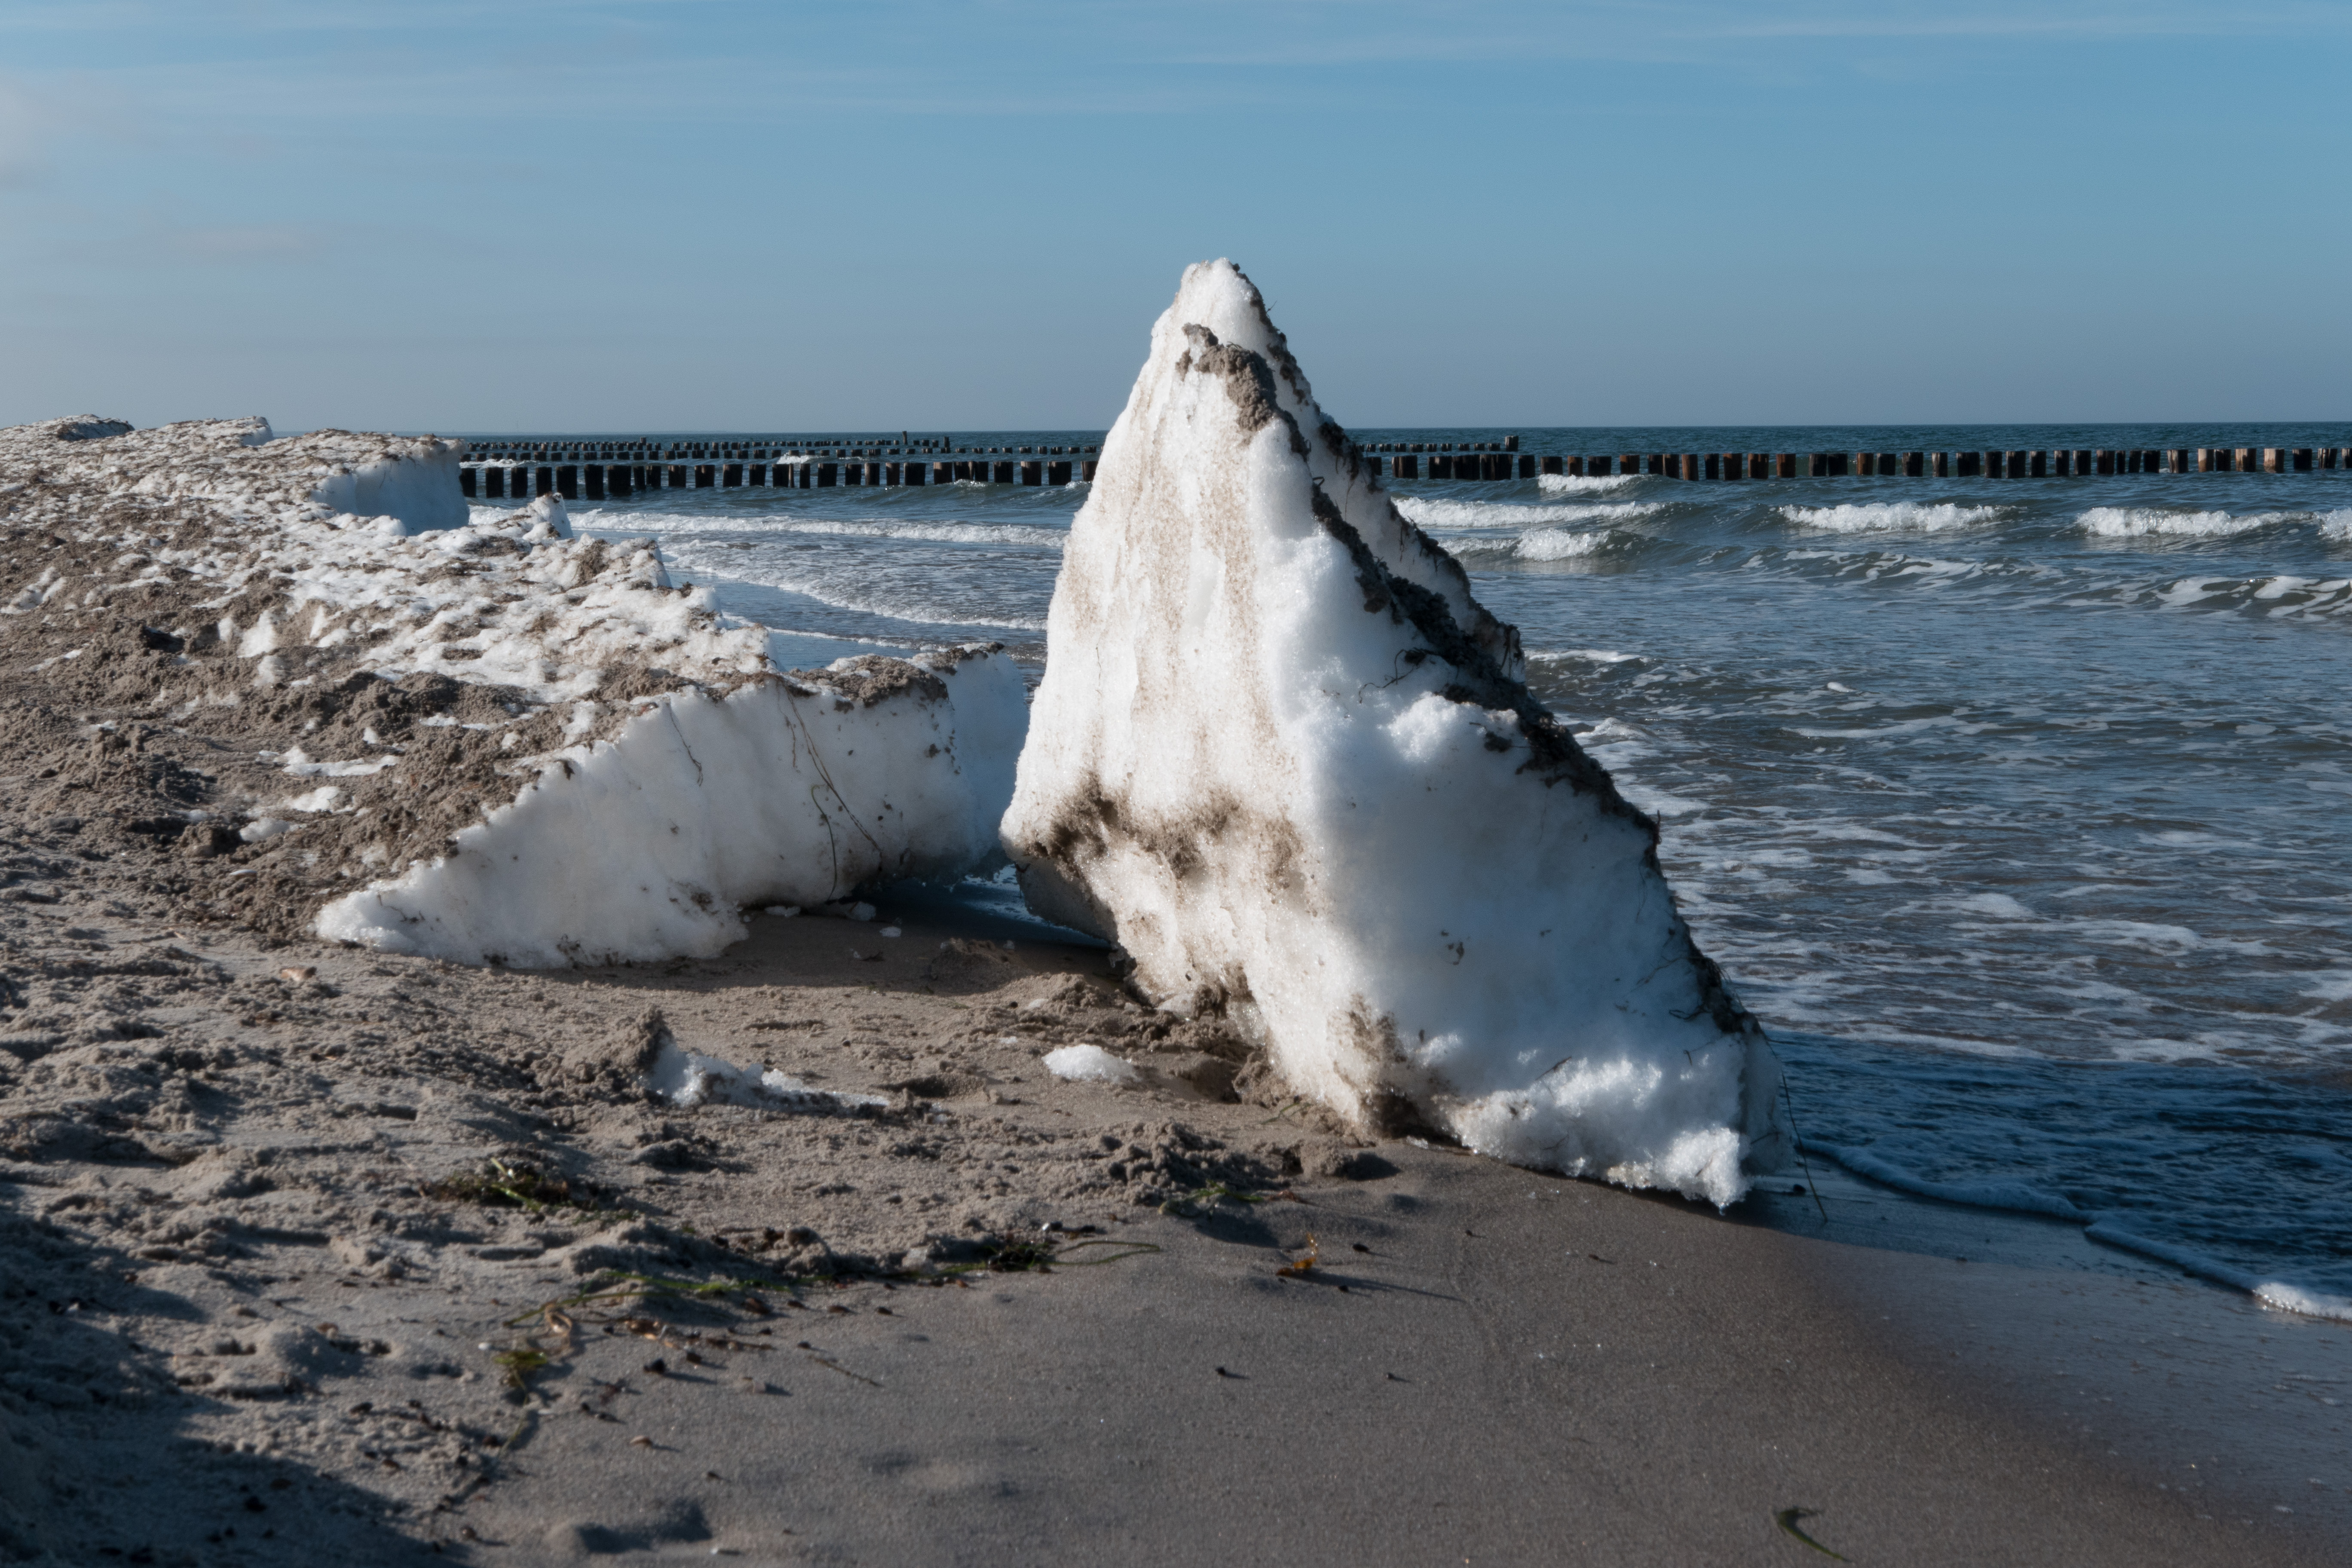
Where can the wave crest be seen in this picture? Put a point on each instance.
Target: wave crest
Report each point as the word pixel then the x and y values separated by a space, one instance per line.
pixel 2144 522
pixel 1891 517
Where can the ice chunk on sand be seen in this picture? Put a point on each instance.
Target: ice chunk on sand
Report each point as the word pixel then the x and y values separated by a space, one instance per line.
pixel 1284 759
pixel 687 1078
pixel 1090 1063
pixel 792 790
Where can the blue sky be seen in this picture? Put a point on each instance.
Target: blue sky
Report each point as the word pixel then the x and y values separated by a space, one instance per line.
pixel 704 214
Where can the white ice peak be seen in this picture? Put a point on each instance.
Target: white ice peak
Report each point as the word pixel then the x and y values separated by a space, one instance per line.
pixel 1286 760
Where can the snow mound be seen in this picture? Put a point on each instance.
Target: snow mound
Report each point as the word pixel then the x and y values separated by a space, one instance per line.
pixel 401 484
pixel 1283 758
pixel 577 759
pixel 784 791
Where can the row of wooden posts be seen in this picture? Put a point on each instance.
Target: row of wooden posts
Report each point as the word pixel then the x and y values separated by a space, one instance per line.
pixel 1912 465
pixel 600 481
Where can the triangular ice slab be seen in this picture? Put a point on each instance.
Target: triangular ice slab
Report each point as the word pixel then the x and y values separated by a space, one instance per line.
pixel 1284 759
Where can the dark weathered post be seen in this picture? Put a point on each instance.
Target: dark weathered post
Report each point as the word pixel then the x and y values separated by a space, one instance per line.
pixel 1526 466
pixel 1866 464
pixel 1408 466
pixel 2037 465
pixel 617 481
pixel 1551 465
pixel 1086 469
pixel 827 475
pixel 595 481
pixel 1915 465
pixel 1057 474
pixel 1759 465
pixel 2274 459
pixel 2300 458
pixel 1968 465
pixel 1712 465
pixel 466 482
pixel 1690 465
pixel 731 475
pixel 545 481
pixel 1033 473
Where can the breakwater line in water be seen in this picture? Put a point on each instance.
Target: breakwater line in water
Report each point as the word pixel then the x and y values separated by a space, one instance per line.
pixel 600 469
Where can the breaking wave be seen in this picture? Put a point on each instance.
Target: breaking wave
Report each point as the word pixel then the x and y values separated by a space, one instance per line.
pixel 2144 522
pixel 1583 484
pixel 1428 513
pixel 1891 517
pixel 1542 544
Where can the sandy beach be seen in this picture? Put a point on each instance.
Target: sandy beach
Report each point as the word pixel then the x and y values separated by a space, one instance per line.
pixel 254 1315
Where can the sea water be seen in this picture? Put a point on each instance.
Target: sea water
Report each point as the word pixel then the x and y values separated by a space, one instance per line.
pixel 2017 809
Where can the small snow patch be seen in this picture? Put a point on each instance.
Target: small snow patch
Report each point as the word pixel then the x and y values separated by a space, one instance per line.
pixel 1090 1064
pixel 688 1078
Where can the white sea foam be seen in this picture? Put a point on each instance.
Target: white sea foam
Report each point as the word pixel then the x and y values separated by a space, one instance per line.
pixel 1030 535
pixel 1583 484
pixel 2018 1197
pixel 2144 522
pixel 2015 1196
pixel 2271 1292
pixel 1999 906
pixel 911 596
pixel 1891 517
pixel 1436 512
pixel 1589 655
pixel 2337 526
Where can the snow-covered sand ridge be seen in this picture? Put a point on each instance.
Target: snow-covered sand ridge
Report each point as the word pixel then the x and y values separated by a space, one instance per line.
pixel 541 751
pixel 1284 758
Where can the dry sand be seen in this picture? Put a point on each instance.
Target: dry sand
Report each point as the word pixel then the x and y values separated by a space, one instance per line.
pixel 261 1301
